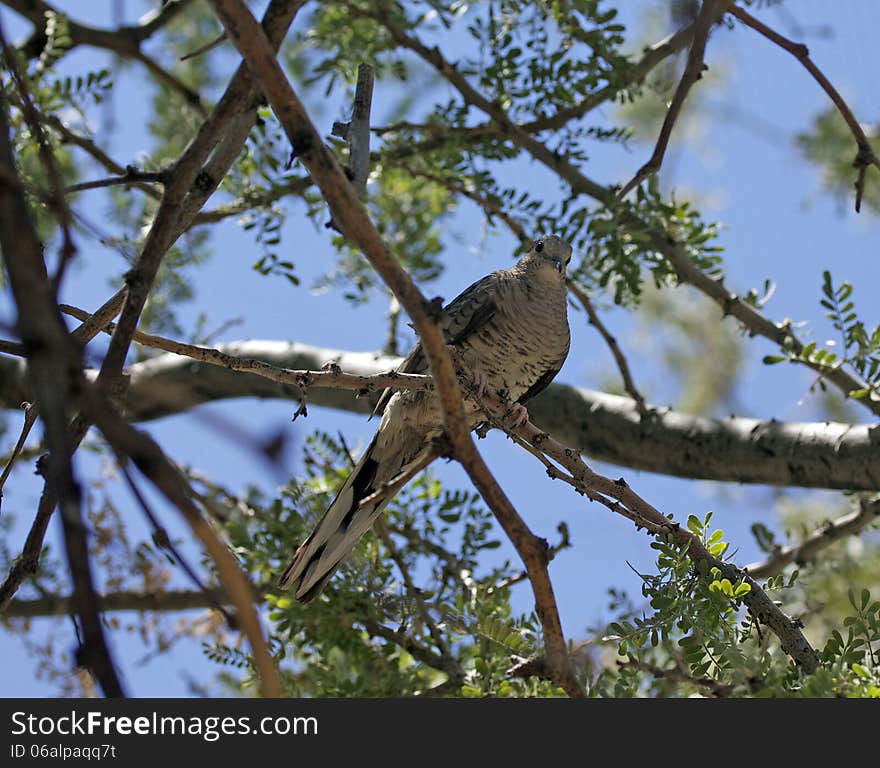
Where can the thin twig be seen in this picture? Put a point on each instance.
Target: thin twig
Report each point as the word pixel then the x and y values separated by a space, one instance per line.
pixel 30 417
pixel 693 71
pixel 54 363
pixel 675 675
pixel 131 176
pixel 364 385
pixel 618 497
pixel 491 208
pixel 58 202
pixel 204 48
pixel 865 155
pixel 93 150
pixel 619 358
pixel 563 543
pixel 149 458
pixel 391 346
pixel 823 537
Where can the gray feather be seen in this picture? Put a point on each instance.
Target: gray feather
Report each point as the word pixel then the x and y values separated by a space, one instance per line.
pixel 512 326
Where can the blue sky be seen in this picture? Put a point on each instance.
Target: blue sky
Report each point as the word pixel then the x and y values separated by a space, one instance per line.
pixel 777 224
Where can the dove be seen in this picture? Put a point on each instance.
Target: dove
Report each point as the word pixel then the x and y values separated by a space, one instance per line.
pixel 511 330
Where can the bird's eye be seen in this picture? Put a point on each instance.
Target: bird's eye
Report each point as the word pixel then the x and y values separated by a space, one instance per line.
pixel 539 246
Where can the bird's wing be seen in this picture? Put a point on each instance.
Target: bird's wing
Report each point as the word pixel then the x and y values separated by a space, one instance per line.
pixel 464 315
pixel 542 383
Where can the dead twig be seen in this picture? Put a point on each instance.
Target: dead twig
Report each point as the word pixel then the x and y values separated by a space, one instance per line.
pixel 619 358
pixel 149 458
pixel 131 176
pixel 693 71
pixel 54 362
pixel 865 155
pixel 823 537
pixel 30 417
pixel 357 132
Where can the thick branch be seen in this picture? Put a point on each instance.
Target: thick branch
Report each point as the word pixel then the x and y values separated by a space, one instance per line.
pixel 605 427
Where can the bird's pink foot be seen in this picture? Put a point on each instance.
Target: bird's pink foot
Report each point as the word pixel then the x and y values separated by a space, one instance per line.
pixel 481 382
pixel 516 416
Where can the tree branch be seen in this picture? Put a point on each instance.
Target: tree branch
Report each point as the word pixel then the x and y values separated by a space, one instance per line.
pixel 53 364
pixel 693 71
pixel 30 417
pixel 357 132
pixel 331 376
pixel 865 154
pixel 148 457
pixel 179 600
pixel 605 427
pixel 93 150
pixel 48 606
pixel 441 135
pixel 617 496
pixel 57 201
pixel 619 358
pixel 348 213
pixel 823 537
pixel 131 176
pixel 123 41
pixel 675 675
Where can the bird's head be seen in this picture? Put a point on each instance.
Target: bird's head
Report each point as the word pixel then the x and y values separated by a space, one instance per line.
pixel 548 252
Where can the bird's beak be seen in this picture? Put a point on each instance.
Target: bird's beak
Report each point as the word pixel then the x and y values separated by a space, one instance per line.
pixel 559 264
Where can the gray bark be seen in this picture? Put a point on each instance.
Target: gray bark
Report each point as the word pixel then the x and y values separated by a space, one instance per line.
pixel 603 427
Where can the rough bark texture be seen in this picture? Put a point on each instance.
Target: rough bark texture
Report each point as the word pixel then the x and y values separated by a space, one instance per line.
pixel 605 427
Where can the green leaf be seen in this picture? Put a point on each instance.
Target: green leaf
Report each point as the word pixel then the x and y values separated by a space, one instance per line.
pixel 695 525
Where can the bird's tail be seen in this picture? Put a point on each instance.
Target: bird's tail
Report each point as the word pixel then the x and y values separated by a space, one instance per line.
pixel 359 502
